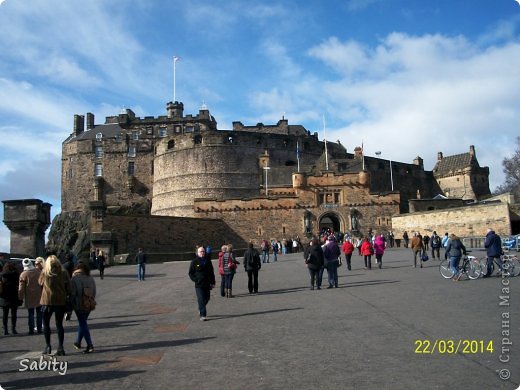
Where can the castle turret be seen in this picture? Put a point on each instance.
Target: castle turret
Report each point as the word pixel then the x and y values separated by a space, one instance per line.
pixel 175 109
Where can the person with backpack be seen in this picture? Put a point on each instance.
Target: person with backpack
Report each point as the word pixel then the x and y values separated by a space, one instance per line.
pixel 314 259
pixel 455 250
pixel 331 254
pixel 252 265
pixel 81 283
pixel 436 245
pixel 30 292
pixel 379 249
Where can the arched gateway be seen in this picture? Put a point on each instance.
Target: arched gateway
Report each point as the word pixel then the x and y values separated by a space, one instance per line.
pixel 330 220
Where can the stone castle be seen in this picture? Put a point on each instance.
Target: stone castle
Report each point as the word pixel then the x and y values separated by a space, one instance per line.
pixel 166 183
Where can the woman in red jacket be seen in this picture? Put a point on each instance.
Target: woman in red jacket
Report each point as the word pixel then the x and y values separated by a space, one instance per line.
pixel 347 248
pixel 367 251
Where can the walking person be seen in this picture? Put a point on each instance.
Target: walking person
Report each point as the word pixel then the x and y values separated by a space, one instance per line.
pixel 331 255
pixel 379 249
pixel 367 250
pixel 56 291
pixel 140 260
pixel 444 244
pixel 252 265
pixel 455 250
pixel 30 292
pixel 347 248
pixel 493 245
pixel 9 301
pixel 276 248
pixel 436 245
pixel 101 260
pixel 264 246
pixel 314 259
pixel 202 274
pixel 227 268
pixel 426 242
pixel 80 281
pixel 417 248
pixel 405 239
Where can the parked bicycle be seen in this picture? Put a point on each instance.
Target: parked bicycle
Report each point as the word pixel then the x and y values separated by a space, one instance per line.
pixel 510 265
pixel 469 266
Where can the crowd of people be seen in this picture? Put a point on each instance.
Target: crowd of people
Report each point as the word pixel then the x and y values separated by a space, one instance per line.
pixel 326 252
pixel 47 288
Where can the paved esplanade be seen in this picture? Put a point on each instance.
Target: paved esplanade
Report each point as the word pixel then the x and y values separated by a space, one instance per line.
pixel 362 335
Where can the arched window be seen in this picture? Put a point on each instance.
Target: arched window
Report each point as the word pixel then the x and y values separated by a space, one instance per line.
pixel 171 144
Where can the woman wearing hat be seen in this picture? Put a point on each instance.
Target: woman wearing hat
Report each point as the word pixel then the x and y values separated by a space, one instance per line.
pixel 30 292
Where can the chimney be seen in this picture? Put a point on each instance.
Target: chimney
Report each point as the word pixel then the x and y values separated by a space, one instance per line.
pixel 439 156
pixel 418 161
pixel 472 151
pixel 79 124
pixel 90 121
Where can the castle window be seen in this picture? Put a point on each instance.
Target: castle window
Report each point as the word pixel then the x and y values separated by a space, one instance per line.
pixel 162 132
pixel 149 130
pixel 99 136
pixel 197 139
pixel 131 168
pixel 290 163
pixel 132 151
pixel 69 173
pixel 118 138
pixel 189 129
pixel 171 144
pixel 230 139
pixel 177 129
pixel 135 135
pixel 98 169
pixel 98 151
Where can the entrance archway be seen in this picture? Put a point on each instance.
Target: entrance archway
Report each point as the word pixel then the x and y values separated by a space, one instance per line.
pixel 330 221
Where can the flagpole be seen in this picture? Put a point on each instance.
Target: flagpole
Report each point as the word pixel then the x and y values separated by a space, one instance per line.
pixel 326 153
pixel 175 59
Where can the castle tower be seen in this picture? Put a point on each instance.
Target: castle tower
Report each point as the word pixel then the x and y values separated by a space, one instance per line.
pixel 27 219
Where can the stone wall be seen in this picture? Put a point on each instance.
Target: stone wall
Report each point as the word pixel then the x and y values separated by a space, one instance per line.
pixel 167 238
pixel 466 221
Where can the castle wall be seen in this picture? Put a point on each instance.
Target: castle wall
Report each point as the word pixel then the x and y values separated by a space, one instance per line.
pixel 167 236
pixel 464 221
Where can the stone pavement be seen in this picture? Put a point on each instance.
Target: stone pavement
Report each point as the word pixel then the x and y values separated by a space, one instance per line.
pixel 363 335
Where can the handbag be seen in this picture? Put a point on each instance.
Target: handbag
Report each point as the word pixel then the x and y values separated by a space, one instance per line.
pixel 424 257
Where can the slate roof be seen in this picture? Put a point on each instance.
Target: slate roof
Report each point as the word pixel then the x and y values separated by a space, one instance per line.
pixel 451 164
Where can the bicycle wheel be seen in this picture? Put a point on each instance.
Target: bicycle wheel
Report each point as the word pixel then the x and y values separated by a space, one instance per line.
pixel 483 267
pixel 445 270
pixel 473 269
pixel 516 266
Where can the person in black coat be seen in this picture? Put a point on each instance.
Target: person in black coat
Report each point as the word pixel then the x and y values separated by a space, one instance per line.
pixel 10 279
pixel 252 265
pixel 314 259
pixel 202 274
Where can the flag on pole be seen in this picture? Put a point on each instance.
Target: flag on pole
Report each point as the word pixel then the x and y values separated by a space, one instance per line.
pixel 298 154
pixel 362 155
pixel 175 58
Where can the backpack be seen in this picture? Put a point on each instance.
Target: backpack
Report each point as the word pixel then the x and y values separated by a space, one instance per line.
pixel 436 241
pixel 88 303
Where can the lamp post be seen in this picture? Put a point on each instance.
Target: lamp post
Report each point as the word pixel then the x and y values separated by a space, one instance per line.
pixel 378 153
pixel 266 190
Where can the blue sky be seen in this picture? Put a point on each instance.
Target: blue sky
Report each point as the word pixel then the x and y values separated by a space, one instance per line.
pixel 407 78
